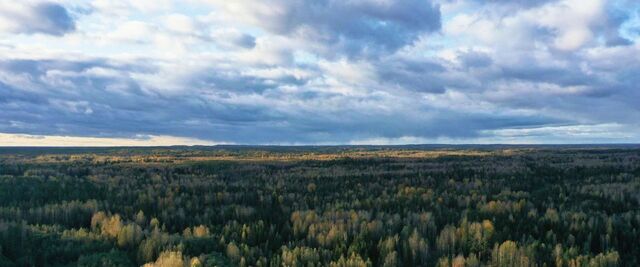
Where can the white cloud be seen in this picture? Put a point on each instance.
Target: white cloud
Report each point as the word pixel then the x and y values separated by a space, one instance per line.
pixel 133 31
pixel 569 22
pixel 181 24
pixel 126 8
pixel 571 19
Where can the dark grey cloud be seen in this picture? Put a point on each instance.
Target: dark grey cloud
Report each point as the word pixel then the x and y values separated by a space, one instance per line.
pixel 43 17
pixel 236 81
pixel 445 123
pixel 594 89
pixel 355 27
pixel 416 75
pixel 54 19
pixel 85 106
pixel 546 74
pixel 474 59
pixel 246 41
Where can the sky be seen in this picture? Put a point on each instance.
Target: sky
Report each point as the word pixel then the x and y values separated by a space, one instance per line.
pixel 322 72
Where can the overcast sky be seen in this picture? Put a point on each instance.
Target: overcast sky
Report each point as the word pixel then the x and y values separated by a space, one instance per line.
pixel 109 72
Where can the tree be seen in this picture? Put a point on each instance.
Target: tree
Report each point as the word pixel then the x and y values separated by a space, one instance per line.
pixel 110 259
pixel 140 218
pixel 112 226
pixel 201 231
pixel 508 254
pixel 168 259
pixel 233 252
pixel 129 235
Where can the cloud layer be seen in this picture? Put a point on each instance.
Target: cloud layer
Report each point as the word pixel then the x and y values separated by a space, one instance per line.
pixel 35 17
pixel 322 72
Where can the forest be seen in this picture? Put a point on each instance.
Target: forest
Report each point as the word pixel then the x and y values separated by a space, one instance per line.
pixel 320 206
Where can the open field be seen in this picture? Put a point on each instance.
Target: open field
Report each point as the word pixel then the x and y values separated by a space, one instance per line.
pixel 320 206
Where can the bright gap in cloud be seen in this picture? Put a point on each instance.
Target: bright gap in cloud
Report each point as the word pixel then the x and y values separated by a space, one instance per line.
pixel 23 140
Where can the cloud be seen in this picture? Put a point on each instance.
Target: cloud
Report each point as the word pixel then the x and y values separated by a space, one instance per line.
pixel 133 31
pixel 39 17
pixel 516 3
pixel 353 27
pixel 616 16
pixel 565 25
pixel 326 72
pixel 418 75
pixel 474 59
pixel 233 38
pixel 79 98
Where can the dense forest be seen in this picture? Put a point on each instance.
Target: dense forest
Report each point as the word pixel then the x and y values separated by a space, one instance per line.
pixel 314 206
